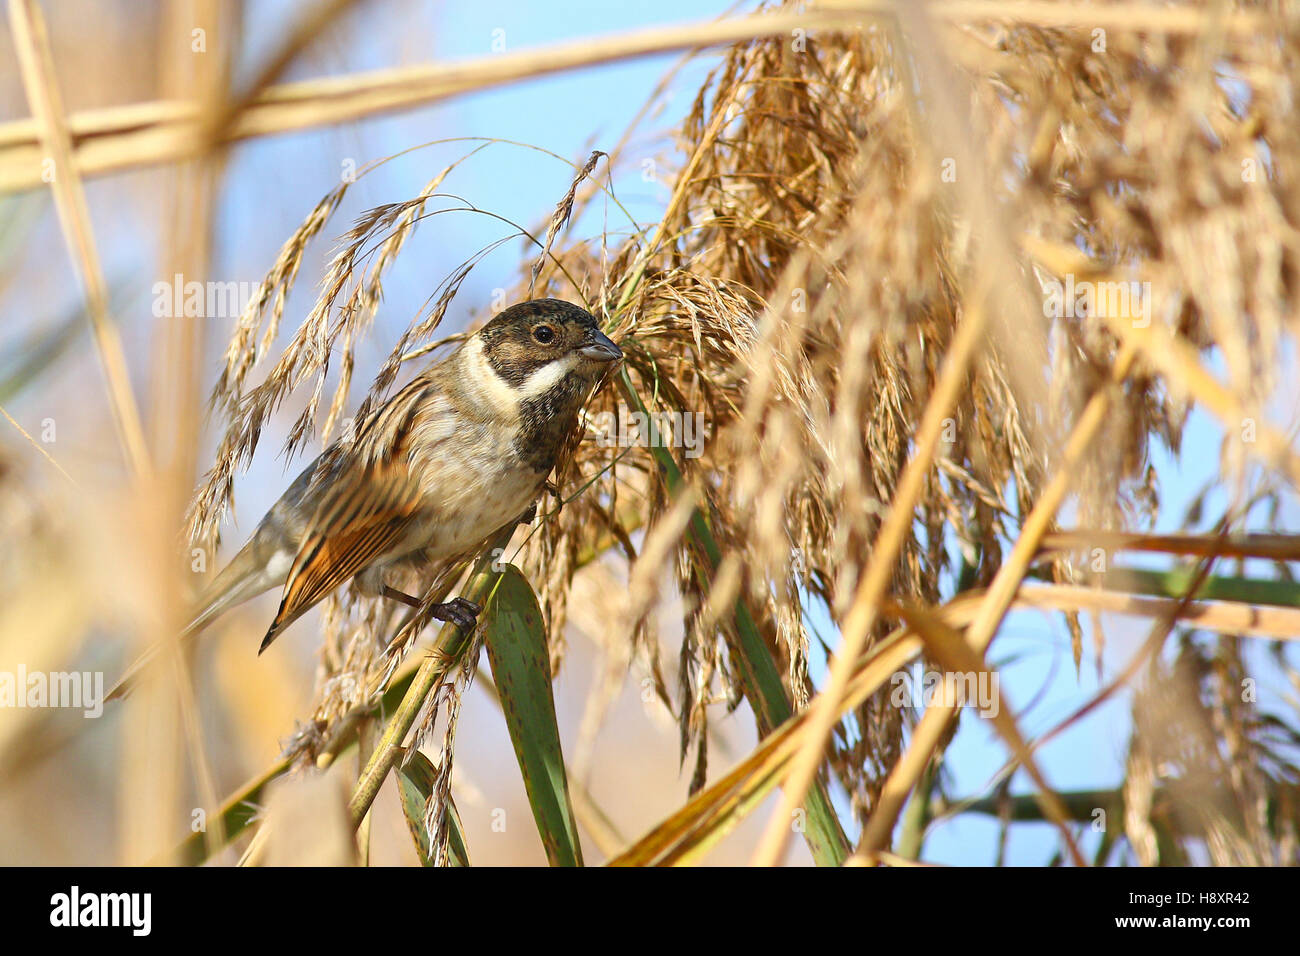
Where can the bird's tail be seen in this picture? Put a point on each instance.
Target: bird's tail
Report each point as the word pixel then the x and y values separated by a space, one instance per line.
pixel 238 581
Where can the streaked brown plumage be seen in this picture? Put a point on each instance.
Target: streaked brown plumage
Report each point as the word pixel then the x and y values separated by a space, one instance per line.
pixel 458 453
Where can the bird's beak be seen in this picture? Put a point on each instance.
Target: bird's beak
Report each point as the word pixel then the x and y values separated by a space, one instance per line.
pixel 600 348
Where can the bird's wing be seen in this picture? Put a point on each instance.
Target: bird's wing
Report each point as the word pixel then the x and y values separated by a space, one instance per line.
pixel 369 504
pixel 360 518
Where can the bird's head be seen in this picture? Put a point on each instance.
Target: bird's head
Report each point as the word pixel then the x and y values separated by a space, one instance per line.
pixel 538 361
pixel 534 344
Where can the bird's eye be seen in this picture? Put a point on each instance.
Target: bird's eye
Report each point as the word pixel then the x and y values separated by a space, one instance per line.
pixel 544 334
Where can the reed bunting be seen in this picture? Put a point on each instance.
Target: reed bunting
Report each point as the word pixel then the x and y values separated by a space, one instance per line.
pixel 457 454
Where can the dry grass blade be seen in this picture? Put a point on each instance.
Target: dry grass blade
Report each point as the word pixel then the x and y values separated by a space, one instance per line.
pixel 957 656
pixel 1146 654
pixel 862 617
pixel 1226 617
pixel 714 811
pixel 989 615
pixel 1178 362
pixel 563 210
pixel 1274 547
pixel 312 23
pixel 33 49
pixel 150 133
pixel 146 134
pixel 41 450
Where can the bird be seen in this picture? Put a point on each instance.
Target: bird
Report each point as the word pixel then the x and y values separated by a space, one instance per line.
pixel 460 452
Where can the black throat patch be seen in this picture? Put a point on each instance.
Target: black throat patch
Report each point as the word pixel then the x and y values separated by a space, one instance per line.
pixel 545 421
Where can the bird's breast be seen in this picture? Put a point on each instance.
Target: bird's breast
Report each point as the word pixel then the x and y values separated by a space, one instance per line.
pixel 474 484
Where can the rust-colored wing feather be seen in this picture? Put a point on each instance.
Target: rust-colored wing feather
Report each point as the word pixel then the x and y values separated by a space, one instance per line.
pixel 359 520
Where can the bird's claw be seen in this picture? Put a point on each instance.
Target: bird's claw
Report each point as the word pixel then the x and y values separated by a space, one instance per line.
pixel 528 516
pixel 459 611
